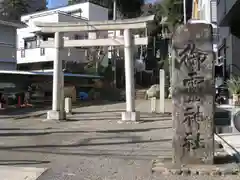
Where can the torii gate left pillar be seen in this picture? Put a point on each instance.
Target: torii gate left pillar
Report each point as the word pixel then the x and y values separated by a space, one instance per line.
pixel 57 112
pixel 130 114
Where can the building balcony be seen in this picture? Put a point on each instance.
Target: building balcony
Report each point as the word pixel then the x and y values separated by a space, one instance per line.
pixel 48 54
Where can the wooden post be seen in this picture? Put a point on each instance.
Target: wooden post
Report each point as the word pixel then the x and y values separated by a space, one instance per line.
pixel 162 90
pixel 153 101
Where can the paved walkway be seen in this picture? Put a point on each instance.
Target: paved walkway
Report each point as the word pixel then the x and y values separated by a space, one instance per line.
pixel 92 146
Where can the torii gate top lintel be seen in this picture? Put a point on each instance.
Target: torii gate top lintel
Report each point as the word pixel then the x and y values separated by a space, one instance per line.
pixel 134 23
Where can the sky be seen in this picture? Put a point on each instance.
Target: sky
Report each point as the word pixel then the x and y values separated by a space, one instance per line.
pixel 57 3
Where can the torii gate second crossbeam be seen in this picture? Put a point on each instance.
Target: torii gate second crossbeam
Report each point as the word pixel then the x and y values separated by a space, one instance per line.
pixel 57 112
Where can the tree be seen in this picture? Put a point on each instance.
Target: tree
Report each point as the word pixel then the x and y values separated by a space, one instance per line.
pixel 13 9
pixel 71 2
pixel 169 14
pixel 130 9
pixel 127 8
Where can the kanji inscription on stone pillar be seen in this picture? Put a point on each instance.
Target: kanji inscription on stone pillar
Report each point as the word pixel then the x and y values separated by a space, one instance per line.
pixel 193 94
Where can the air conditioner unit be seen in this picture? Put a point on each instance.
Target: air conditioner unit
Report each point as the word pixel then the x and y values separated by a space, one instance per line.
pixel 230 122
pixel 235 120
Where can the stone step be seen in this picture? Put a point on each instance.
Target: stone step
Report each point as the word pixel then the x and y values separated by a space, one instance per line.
pixel 140 94
pixel 20 173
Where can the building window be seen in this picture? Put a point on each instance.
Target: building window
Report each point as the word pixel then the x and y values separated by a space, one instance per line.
pixel 22 53
pixel 121 32
pixel 30 43
pixel 76 36
pixel 47 65
pixel 42 51
pixel 82 36
pixel 45 36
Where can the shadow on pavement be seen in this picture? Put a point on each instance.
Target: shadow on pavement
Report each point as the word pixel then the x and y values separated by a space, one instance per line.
pixel 82 144
pixel 21 112
pixel 21 162
pixel 73 132
pixel 76 150
pixel 25 129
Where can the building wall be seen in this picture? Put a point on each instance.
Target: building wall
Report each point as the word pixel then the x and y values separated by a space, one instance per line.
pixel 8 66
pixel 87 9
pixel 204 8
pixel 228 44
pixel 34 55
pixel 228 5
pixel 8 35
pixel 235 55
pixel 49 18
pixel 201 10
pixel 97 13
pixel 195 14
pixel 221 12
pixel 7 47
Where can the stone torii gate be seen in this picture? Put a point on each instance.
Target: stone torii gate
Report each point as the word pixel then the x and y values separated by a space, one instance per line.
pixel 57 112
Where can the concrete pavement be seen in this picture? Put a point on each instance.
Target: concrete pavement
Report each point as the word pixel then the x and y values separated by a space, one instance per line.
pixel 92 145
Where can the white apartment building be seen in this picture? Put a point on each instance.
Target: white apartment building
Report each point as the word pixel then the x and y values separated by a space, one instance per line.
pixel 29 54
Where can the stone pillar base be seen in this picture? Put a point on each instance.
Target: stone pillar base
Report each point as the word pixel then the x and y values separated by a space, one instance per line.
pixel 56 115
pixel 130 116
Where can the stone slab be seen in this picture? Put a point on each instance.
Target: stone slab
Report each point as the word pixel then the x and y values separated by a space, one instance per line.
pixel 193 94
pixel 169 168
pixel 20 173
pixel 230 143
pixel 56 115
pixel 130 116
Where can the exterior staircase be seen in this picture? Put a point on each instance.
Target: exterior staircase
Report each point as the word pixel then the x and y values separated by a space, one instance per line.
pixel 140 93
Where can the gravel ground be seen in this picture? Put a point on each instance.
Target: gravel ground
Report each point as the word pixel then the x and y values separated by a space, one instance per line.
pixel 93 146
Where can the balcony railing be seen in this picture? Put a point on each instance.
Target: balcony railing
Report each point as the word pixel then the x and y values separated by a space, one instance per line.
pixel 41 52
pixel 48 54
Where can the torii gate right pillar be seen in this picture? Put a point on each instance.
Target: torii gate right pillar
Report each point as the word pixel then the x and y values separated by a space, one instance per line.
pixel 130 114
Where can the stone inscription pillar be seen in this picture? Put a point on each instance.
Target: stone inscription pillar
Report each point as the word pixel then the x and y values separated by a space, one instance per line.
pixel 193 95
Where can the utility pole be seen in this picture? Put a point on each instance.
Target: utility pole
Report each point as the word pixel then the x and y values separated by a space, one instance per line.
pixel 113 48
pixel 184 12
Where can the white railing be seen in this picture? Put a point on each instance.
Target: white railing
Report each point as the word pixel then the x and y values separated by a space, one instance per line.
pixel 48 54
